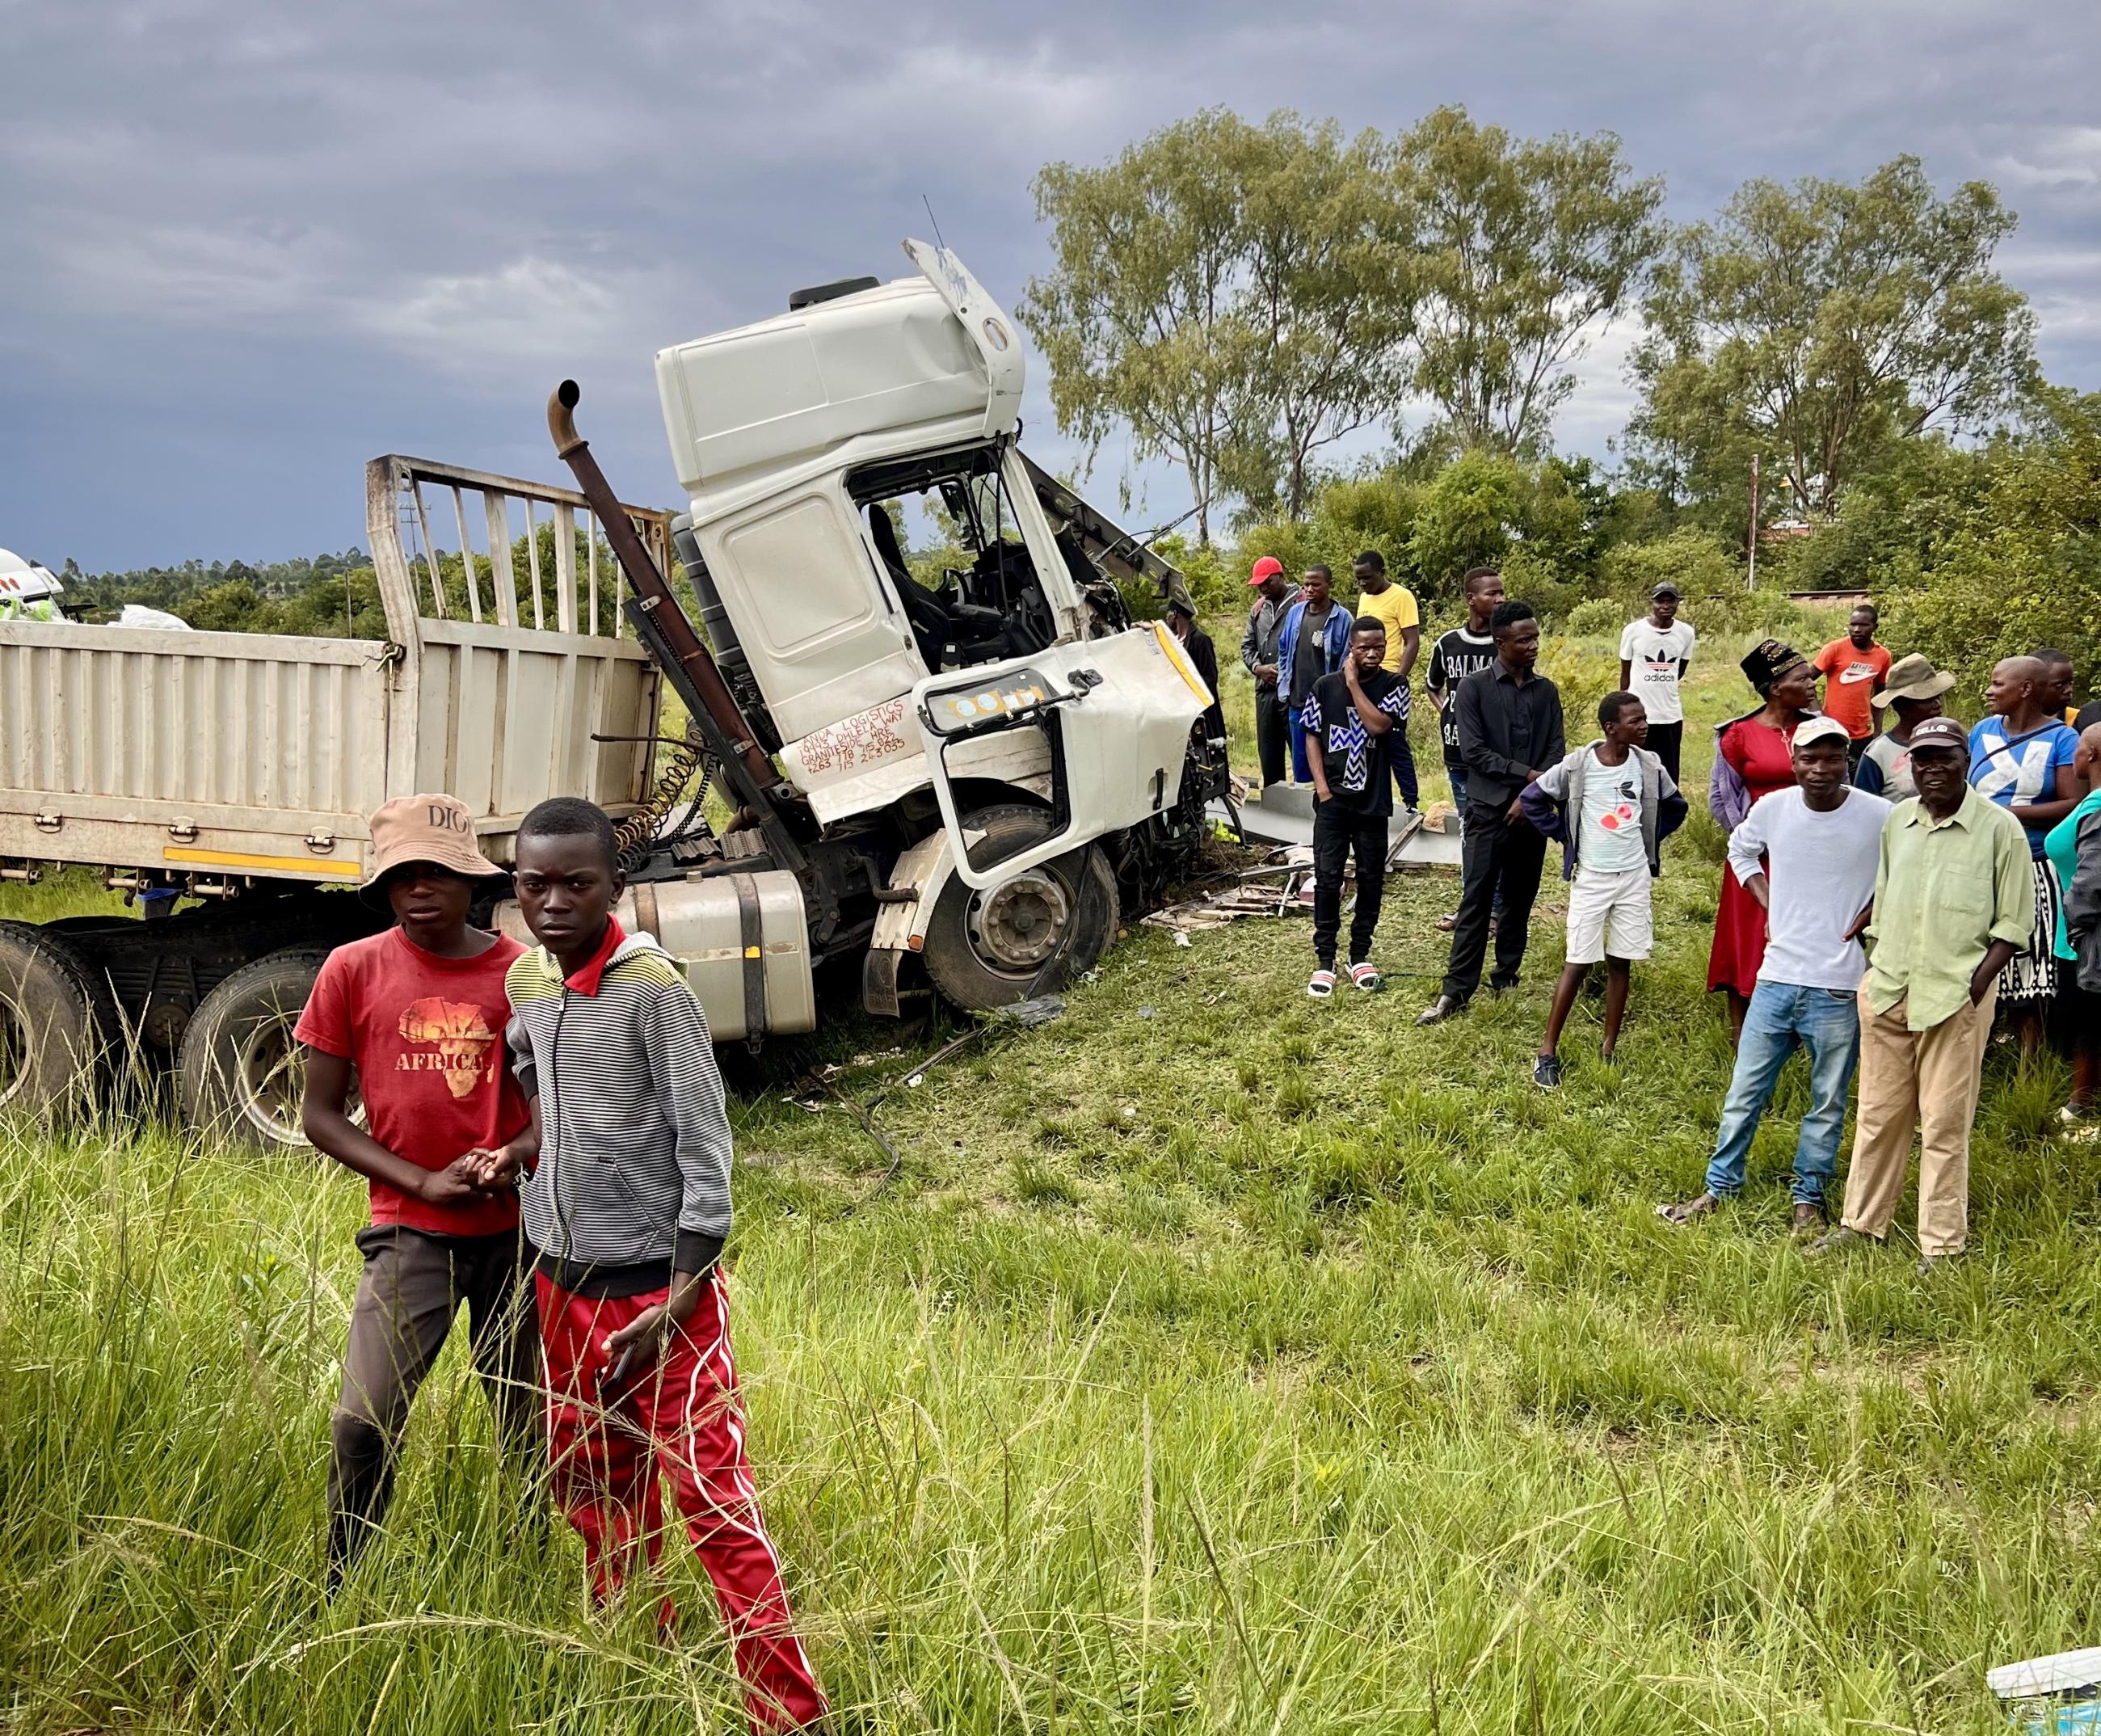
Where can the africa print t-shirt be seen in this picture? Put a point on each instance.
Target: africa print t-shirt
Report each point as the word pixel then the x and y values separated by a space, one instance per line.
pixel 1611 841
pixel 426 1034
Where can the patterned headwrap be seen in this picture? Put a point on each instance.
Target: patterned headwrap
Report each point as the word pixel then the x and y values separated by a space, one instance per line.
pixel 1767 661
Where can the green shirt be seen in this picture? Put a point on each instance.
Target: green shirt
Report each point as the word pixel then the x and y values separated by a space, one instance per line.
pixel 1944 891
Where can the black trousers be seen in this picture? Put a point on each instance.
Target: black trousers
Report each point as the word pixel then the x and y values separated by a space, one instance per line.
pixel 1666 742
pixel 1272 733
pixel 413 1286
pixel 1337 832
pixel 1501 856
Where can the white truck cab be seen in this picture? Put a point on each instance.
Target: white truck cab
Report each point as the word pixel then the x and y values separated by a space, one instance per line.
pixel 801 441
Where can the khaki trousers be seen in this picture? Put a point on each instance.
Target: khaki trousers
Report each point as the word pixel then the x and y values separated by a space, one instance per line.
pixel 1926 1079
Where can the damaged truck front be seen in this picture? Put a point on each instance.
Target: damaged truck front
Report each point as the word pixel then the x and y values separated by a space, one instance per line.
pixel 962 778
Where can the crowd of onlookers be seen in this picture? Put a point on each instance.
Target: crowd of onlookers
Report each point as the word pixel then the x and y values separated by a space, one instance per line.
pixel 1897 886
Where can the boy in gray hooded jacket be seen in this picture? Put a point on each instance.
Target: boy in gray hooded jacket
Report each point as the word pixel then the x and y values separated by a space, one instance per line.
pixel 1610 805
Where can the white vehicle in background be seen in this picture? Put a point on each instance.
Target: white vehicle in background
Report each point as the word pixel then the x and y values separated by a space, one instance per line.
pixel 953 786
pixel 29 591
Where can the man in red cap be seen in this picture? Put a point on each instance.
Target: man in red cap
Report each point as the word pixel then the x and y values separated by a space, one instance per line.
pixel 1265 626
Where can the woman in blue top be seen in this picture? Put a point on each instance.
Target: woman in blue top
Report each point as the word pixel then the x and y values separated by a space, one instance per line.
pixel 2020 757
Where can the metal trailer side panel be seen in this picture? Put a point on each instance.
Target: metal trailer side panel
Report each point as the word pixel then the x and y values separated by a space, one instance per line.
pixel 503 718
pixel 160 750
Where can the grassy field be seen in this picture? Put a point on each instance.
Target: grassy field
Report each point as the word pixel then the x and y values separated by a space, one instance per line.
pixel 1218 1362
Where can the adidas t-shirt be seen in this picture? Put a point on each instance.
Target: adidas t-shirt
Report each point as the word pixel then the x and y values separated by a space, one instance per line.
pixel 1652 654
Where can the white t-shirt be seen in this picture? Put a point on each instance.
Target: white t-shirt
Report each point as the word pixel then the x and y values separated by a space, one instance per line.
pixel 1611 839
pixel 1652 654
pixel 1820 870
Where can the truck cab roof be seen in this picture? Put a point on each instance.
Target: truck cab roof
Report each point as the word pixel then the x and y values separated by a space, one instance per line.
pixel 924 361
pixel 22 580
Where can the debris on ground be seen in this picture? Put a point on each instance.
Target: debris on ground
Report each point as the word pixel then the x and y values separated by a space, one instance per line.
pixel 1282 882
pixel 2061 1691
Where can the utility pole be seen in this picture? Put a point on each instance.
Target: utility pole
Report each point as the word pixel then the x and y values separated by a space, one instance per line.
pixel 1751 568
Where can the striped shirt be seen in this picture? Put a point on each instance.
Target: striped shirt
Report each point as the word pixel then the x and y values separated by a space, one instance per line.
pixel 633 1179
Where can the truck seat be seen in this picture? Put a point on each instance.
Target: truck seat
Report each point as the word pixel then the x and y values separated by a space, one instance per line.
pixel 928 620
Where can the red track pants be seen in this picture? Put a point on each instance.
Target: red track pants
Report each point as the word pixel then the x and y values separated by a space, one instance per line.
pixel 682 1418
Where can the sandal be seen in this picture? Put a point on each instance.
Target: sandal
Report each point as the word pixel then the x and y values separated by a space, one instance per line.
pixel 1446 925
pixel 1366 977
pixel 1321 985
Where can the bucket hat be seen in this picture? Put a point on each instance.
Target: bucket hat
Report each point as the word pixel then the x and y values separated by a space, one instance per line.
pixel 436 829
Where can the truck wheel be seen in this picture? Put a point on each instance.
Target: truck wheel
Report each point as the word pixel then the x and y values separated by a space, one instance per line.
pixel 58 1024
pixel 242 1073
pixel 1030 933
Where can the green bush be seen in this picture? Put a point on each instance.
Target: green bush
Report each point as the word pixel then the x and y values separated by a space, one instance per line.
pixel 1594 619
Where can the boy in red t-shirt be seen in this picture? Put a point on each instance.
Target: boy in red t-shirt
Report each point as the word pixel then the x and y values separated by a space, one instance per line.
pixel 1853 668
pixel 419 1012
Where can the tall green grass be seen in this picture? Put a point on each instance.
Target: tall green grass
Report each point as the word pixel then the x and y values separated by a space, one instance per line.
pixel 1219 1361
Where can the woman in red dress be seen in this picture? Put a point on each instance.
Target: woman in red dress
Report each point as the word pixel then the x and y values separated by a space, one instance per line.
pixel 1752 758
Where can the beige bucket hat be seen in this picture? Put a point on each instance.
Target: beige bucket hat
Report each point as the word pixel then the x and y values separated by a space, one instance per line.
pixel 423 829
pixel 1912 676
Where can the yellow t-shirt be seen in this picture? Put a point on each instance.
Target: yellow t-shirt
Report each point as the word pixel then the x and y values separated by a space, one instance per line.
pixel 1393 608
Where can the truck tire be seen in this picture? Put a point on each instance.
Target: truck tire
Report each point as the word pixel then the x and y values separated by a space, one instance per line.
pixel 58 1025
pixel 241 1072
pixel 1029 934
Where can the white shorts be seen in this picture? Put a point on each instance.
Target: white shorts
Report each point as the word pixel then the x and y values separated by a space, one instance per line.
pixel 1609 915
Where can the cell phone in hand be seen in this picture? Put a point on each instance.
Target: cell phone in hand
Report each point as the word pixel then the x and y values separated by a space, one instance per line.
pixel 616 1371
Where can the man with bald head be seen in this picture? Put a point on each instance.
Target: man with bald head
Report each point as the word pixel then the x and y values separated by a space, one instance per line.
pixel 2021 758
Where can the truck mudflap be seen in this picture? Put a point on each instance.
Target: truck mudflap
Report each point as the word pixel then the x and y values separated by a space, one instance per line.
pixel 1114 713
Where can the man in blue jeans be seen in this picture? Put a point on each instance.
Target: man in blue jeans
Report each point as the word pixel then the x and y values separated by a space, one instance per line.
pixel 1809 856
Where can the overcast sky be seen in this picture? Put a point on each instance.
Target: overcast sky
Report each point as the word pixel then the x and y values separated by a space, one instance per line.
pixel 243 248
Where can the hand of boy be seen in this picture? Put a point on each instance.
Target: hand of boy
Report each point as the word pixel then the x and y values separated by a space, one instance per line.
pixel 497 1168
pixel 454 1185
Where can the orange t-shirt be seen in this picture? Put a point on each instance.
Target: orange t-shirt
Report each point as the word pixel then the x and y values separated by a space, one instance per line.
pixel 1851 676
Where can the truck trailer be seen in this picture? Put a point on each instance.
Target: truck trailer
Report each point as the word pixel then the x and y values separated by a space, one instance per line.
pixel 874 786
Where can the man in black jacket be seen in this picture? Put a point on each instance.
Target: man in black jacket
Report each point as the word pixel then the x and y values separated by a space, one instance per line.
pixel 1509 732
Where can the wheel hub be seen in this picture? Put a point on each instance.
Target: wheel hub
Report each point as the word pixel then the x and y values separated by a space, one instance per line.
pixel 1020 921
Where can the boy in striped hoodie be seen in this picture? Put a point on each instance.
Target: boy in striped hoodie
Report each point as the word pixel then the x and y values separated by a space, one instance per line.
pixel 626 1199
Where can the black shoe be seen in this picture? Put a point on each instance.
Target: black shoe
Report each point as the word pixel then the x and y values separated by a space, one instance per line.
pixel 1444 1006
pixel 1546 1072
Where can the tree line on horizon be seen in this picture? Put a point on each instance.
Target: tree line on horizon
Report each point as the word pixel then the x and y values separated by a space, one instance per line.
pixel 1246 301
pixel 1241 299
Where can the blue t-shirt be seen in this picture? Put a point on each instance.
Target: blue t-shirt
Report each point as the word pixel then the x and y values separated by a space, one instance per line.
pixel 2007 769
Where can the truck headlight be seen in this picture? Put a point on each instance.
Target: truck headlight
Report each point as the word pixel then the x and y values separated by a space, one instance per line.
pixel 965 709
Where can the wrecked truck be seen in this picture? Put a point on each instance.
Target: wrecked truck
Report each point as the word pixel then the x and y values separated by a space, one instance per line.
pixel 876 785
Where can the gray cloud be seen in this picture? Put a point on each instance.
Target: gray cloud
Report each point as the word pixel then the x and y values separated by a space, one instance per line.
pixel 242 249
